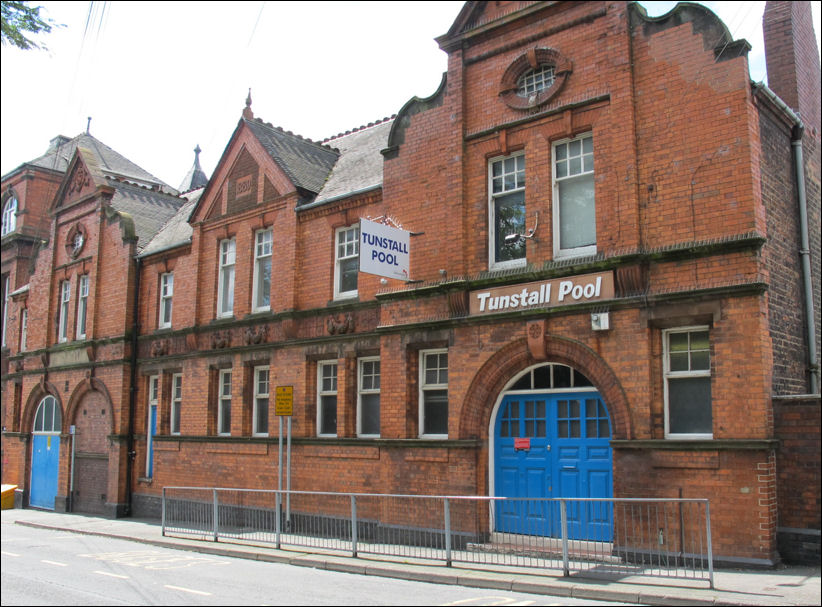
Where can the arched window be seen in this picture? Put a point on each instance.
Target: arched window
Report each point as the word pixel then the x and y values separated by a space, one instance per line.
pixel 9 216
pixel 49 417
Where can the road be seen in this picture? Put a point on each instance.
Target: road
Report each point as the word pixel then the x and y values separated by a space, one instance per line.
pixel 45 567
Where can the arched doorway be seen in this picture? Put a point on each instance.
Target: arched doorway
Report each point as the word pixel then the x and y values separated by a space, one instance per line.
pixel 93 424
pixel 45 453
pixel 551 438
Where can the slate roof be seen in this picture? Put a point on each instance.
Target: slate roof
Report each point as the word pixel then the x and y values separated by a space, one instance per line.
pixel 61 151
pixel 149 209
pixel 306 162
pixel 177 230
pixel 196 177
pixel 360 163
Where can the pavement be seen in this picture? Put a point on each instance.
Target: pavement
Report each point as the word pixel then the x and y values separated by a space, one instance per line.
pixel 786 585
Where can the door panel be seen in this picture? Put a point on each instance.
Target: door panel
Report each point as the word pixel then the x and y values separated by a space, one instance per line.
pixel 563 451
pixel 45 466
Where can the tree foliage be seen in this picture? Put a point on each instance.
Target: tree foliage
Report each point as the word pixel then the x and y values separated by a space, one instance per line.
pixel 20 18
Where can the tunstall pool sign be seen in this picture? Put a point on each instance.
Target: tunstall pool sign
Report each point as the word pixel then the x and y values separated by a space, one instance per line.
pixel 384 250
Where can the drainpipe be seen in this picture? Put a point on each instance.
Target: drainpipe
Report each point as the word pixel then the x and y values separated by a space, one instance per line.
pixel 132 393
pixel 804 251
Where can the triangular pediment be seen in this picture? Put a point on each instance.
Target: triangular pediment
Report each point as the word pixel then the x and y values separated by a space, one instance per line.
pixel 82 179
pixel 483 15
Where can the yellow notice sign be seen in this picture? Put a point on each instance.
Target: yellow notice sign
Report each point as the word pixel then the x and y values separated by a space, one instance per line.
pixel 284 400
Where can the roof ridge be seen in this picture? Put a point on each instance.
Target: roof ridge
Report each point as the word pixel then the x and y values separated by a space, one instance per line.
pixel 360 128
pixel 284 131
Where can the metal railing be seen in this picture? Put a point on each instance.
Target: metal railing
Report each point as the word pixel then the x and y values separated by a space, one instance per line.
pixel 591 537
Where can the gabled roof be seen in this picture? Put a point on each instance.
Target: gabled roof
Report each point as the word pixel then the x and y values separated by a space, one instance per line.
pixel 112 164
pixel 360 163
pixel 306 163
pixel 149 209
pixel 177 230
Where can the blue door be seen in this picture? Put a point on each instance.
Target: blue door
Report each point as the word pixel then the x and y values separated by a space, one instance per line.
pixel 45 465
pixel 152 431
pixel 553 445
pixel 45 453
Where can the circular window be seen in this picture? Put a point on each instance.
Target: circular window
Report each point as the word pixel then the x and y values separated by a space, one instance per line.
pixel 534 78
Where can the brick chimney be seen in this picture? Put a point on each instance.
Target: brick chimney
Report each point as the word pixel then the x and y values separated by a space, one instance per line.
pixel 792 58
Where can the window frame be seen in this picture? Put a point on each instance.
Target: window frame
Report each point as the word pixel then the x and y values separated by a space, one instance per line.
pixel 24 329
pixel 425 387
pixel 493 197
pixel 339 260
pixel 227 261
pixel 261 258
pixel 8 224
pixel 55 423
pixel 583 250
pixel 154 392
pixel 669 375
pixel 224 401
pixel 260 399
pixel 65 302
pixel 166 310
pixel 176 403
pixel 361 392
pixel 82 306
pixel 327 393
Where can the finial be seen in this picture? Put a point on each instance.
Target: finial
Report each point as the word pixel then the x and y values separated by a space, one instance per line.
pixel 197 151
pixel 247 113
pixel 88 126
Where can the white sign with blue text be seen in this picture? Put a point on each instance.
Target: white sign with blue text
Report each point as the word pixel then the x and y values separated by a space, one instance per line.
pixel 384 250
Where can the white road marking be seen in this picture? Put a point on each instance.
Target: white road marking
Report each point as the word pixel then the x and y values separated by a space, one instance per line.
pixel 54 563
pixel 8 553
pixel 122 577
pixel 180 588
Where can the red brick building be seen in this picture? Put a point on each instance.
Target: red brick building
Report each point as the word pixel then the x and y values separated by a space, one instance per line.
pixel 606 255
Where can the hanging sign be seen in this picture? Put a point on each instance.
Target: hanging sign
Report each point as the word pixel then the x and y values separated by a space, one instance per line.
pixel 384 250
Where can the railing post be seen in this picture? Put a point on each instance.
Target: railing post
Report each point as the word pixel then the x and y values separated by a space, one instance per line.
pixel 278 528
pixel 563 521
pixel 447 513
pixel 215 516
pixel 354 526
pixel 710 548
pixel 163 513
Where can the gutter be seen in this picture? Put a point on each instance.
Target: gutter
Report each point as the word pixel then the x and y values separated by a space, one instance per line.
pixel 805 252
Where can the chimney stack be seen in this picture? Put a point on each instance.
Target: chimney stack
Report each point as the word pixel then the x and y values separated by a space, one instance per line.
pixel 792 58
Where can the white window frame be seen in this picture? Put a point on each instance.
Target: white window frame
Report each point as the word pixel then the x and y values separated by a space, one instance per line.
pixel 227 260
pixel 368 390
pixel 176 402
pixel 263 247
pixel 45 421
pixel 326 388
pixel 166 300
pixel 346 247
pixel 505 188
pixel 82 306
pixel 223 401
pixel 262 391
pixel 674 375
pixel 153 401
pixel 438 386
pixel 585 173
pixel 24 329
pixel 9 222
pixel 65 300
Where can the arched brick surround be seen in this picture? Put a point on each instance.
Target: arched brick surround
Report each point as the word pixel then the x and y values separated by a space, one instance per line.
pixel 515 357
pixel 38 393
pixel 84 387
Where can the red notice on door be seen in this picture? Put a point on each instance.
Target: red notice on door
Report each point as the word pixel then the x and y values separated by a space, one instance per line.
pixel 522 443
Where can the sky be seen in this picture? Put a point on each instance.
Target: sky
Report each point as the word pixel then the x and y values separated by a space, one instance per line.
pixel 159 78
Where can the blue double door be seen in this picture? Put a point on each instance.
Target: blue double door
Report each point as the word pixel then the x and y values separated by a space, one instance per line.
pixel 553 445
